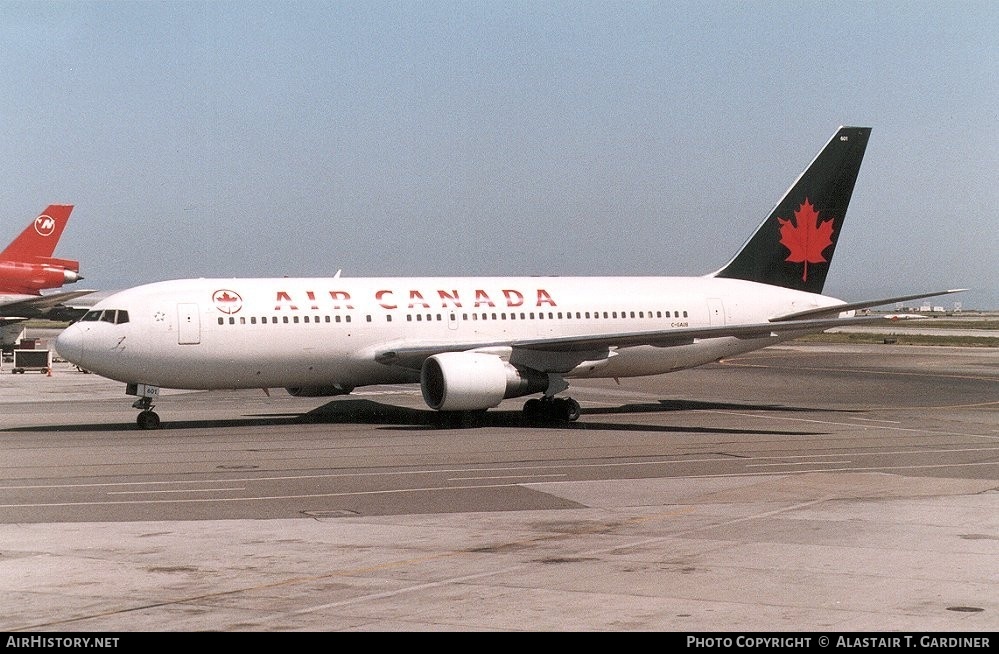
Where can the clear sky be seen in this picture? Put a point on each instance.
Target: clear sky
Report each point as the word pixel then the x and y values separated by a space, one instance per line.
pixel 204 139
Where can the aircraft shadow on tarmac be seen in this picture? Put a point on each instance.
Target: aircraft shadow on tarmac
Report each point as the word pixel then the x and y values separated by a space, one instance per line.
pixel 370 412
pixel 364 411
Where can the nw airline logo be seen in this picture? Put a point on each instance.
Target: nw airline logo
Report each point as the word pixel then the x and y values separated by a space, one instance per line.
pixel 806 238
pixel 45 225
pixel 230 302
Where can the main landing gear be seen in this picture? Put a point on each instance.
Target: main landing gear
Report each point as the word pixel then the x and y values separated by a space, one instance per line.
pixel 550 408
pixel 553 409
pixel 147 418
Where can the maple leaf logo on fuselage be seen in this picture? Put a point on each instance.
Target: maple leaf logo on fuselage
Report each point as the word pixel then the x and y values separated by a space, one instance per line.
pixel 806 237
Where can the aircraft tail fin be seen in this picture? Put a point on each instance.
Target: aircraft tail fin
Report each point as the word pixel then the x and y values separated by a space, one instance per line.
pixel 794 246
pixel 38 241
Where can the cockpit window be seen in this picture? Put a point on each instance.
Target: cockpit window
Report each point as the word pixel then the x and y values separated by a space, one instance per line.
pixel 113 316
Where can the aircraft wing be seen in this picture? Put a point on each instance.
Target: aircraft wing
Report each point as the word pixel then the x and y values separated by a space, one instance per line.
pixel 49 307
pixel 412 356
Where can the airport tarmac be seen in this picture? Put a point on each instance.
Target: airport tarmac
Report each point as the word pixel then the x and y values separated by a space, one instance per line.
pixel 806 487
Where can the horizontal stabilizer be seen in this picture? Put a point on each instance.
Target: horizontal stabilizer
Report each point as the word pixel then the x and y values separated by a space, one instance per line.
pixel 853 306
pixel 41 306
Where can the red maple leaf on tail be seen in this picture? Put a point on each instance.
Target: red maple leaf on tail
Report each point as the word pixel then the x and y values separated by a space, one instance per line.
pixel 806 237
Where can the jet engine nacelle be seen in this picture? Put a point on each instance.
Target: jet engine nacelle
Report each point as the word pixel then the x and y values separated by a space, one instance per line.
pixel 319 391
pixel 472 381
pixel 30 278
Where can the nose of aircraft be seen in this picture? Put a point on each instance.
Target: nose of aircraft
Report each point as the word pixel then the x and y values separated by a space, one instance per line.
pixel 69 344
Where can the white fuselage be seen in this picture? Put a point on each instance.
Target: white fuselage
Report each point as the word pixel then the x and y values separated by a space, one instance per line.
pixel 288 332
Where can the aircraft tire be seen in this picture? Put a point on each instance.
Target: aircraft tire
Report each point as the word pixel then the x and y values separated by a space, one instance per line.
pixel 558 409
pixel 572 409
pixel 148 420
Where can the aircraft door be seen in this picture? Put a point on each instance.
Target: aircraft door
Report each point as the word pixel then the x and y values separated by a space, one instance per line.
pixel 452 319
pixel 716 311
pixel 188 324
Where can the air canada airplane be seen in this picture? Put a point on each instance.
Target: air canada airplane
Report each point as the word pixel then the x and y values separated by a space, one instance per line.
pixel 471 342
pixel 27 267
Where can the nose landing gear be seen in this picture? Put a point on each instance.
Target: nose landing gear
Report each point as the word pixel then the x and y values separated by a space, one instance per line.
pixel 147 419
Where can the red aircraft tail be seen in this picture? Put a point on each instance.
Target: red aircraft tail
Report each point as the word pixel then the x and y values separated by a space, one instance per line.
pixel 27 265
pixel 39 239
